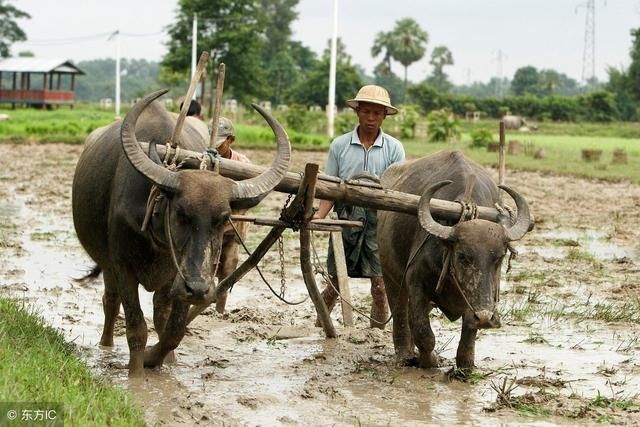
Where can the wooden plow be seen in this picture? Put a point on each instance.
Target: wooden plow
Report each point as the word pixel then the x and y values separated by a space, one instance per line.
pixel 298 216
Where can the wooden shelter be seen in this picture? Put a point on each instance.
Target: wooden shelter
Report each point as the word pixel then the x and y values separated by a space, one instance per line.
pixel 39 82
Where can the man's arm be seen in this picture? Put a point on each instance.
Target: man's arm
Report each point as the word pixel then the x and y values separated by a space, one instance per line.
pixel 323 209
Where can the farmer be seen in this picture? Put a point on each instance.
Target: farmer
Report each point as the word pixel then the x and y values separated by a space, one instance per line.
pixel 195 110
pixel 224 138
pixel 365 150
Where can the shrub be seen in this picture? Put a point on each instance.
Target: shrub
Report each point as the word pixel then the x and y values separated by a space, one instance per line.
pixel 480 138
pixel 442 126
pixel 408 120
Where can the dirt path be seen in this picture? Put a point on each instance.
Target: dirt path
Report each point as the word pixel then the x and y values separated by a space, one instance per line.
pixel 570 338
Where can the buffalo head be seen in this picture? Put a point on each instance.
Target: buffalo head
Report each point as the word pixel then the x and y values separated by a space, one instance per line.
pixel 197 203
pixel 473 258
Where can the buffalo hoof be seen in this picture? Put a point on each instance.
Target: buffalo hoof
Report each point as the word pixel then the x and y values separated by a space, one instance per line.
pixel 464 363
pixel 430 360
pixel 154 357
pixel 170 357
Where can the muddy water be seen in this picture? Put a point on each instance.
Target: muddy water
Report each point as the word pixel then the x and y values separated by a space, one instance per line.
pixel 264 363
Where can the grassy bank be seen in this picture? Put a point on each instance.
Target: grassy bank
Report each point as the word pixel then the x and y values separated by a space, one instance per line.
pixel 37 365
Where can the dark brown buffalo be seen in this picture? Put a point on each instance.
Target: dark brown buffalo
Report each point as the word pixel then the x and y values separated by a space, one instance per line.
pixel 414 253
pixel 111 186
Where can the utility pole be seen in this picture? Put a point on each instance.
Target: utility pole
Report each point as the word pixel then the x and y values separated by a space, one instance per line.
pixel 589 52
pixel 115 36
pixel 331 107
pixel 499 77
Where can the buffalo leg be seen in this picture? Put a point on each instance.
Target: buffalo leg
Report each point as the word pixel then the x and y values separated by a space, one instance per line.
pixel 161 312
pixel 421 330
pixel 170 336
pixel 379 306
pixel 136 326
pixel 466 348
pixel 402 341
pixel 110 307
pixel 228 263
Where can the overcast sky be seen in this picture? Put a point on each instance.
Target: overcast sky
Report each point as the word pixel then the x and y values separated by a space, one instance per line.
pixel 542 33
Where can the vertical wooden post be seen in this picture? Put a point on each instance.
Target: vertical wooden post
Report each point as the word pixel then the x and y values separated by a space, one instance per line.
pixel 216 108
pixel 309 186
pixel 501 158
pixel 343 278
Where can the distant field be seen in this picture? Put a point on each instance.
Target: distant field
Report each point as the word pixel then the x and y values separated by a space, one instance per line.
pixel 561 143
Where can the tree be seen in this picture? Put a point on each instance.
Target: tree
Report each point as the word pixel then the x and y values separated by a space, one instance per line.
pixel 383 43
pixel 440 57
pixel 233 31
pixel 409 42
pixel 525 81
pixel 405 44
pixel 10 32
pixel 314 89
pixel 633 72
pixel 278 52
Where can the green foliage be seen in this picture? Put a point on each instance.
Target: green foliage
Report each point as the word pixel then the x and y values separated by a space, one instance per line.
pixel 138 78
pixel 344 122
pixel 440 57
pixel 234 31
pixel 480 138
pixel 405 44
pixel 442 126
pixel 297 117
pixel 10 32
pixel 408 118
pixel 38 365
pixel 314 88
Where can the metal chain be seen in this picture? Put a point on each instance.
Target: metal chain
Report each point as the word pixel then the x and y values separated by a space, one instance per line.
pixel 283 280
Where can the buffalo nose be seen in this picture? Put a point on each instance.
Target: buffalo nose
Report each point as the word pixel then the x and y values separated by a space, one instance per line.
pixel 197 288
pixel 486 319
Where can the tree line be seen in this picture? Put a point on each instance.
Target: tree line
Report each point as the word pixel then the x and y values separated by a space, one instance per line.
pixel 254 39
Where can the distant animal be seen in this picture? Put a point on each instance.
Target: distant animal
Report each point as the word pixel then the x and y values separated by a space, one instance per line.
pixel 455 266
pixel 517 122
pixel 111 186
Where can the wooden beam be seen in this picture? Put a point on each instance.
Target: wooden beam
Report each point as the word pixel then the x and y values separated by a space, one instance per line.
pixel 357 195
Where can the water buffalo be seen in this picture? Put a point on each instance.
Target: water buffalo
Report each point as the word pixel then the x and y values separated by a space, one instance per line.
pixel 517 122
pixel 455 267
pixel 111 186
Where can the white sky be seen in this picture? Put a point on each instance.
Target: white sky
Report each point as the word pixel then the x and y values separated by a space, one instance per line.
pixel 542 33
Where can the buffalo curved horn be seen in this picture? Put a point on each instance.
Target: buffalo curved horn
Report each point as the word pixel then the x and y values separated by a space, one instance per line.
pixel 426 219
pixel 249 192
pixel 523 221
pixel 165 179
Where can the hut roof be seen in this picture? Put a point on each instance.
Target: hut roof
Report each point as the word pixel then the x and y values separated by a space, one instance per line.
pixel 38 65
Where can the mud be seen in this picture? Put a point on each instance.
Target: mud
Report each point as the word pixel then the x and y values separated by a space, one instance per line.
pixel 567 352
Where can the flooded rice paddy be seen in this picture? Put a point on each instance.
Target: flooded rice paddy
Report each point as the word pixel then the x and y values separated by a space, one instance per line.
pixel 568 351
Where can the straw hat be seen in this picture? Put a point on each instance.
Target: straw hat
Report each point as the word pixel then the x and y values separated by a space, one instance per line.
pixel 225 129
pixel 375 95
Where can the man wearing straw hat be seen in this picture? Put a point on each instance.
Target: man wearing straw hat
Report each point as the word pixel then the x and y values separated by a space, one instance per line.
pixel 365 151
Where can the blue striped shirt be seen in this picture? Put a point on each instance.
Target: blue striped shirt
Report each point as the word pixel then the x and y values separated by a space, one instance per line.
pixel 348 157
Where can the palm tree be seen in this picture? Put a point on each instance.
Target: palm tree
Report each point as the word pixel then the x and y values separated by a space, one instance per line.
pixel 383 42
pixel 408 42
pixel 440 57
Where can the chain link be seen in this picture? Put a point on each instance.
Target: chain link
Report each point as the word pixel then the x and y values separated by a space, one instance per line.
pixel 283 280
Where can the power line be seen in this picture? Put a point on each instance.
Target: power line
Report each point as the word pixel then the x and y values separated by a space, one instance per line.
pixel 86 38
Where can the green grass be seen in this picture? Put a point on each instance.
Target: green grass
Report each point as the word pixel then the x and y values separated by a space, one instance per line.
pixel 38 365
pixel 561 143
pixel 59 125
